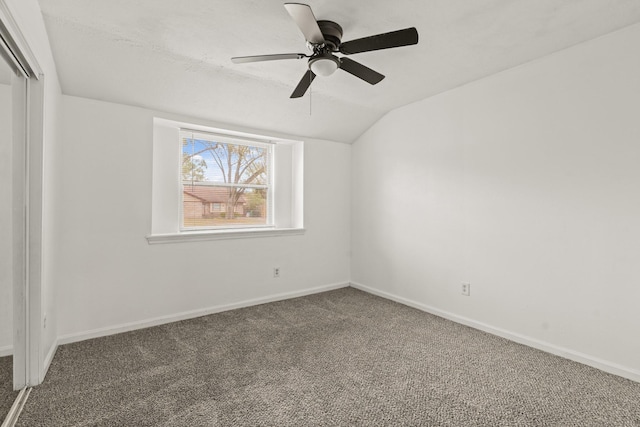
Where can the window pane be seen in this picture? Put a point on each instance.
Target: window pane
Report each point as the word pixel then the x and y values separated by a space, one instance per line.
pixel 206 205
pixel 221 162
pixel 224 184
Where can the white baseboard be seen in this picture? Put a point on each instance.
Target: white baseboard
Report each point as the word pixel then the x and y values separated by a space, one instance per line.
pixel 6 350
pixel 603 365
pixel 126 327
pixel 48 359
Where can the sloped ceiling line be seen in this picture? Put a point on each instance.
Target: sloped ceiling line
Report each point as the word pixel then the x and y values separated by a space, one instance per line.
pixel 161 55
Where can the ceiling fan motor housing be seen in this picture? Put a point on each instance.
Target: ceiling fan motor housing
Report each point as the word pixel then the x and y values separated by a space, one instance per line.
pixel 332 33
pixel 323 62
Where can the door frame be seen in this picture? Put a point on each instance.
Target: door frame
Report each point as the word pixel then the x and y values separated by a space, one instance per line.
pixel 27 203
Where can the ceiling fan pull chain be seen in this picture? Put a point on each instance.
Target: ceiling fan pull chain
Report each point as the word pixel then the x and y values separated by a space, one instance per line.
pixel 310 80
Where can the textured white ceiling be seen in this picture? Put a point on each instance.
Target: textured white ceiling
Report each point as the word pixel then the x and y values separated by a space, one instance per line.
pixel 174 56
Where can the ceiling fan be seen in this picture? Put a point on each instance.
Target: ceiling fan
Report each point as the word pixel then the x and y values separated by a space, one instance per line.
pixel 324 38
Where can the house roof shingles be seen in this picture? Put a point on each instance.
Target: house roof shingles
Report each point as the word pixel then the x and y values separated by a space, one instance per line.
pixel 209 194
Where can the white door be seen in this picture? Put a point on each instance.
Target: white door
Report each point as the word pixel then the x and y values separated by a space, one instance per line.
pixel 6 231
pixel 21 143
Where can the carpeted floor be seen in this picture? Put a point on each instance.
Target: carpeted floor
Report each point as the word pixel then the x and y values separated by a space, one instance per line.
pixel 339 358
pixel 7 395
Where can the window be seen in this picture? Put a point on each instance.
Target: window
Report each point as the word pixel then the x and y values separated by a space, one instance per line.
pixel 211 183
pixel 231 176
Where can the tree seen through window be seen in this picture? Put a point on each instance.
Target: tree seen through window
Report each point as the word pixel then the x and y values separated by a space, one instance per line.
pixel 234 176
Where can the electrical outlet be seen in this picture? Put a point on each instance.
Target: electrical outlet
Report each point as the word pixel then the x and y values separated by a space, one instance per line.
pixel 465 289
pixel 276 272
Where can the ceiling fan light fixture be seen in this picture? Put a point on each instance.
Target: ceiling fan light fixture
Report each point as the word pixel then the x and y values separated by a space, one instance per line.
pixel 324 65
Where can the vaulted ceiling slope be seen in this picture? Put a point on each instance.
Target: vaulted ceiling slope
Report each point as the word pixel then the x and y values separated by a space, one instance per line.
pixel 174 56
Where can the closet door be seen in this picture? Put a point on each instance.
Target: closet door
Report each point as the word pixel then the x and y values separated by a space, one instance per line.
pixel 7 393
pixel 21 142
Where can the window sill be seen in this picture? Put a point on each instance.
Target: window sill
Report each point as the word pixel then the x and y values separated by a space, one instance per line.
pixel 200 236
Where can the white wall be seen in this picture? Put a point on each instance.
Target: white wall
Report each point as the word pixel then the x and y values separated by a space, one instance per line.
pixel 6 284
pixel 109 276
pixel 29 19
pixel 526 184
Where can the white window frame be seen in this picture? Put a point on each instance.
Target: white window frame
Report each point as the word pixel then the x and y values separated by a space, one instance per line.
pixel 286 186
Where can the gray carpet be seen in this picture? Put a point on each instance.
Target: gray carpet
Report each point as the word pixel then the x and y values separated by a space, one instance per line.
pixel 339 358
pixel 7 395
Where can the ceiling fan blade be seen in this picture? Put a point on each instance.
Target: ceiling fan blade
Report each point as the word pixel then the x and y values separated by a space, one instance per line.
pixel 304 84
pixel 259 58
pixel 405 37
pixel 360 71
pixel 306 21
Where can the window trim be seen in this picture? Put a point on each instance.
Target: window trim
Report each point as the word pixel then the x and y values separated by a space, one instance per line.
pixel 223 234
pixel 232 138
pixel 287 206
